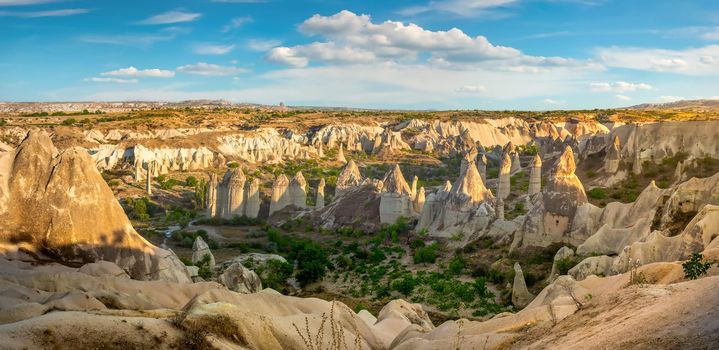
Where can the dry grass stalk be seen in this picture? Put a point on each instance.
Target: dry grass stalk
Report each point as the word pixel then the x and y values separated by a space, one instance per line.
pixel 337 341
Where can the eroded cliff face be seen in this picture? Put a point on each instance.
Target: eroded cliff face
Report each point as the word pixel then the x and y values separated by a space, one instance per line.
pixel 56 204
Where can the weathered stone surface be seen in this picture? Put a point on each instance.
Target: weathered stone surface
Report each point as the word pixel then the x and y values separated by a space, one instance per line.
pixel 419 200
pixel 505 169
pixel 535 176
pixel 348 178
pixel 200 249
pixel 280 199
pixel 341 156
pixel 239 279
pixel 62 208
pixel 482 167
pixel 298 191
pixel 562 253
pixel 521 297
pixel 211 196
pixel 396 198
pixel 320 200
pixel 252 205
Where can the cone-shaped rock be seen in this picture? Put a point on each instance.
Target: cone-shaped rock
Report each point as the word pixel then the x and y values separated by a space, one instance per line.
pixel 212 196
pixel 252 205
pixel 612 157
pixel 235 185
pixel 348 178
pixel 298 191
pixel 564 192
pixel 413 188
pixel 516 164
pixel 200 250
pixel 482 167
pixel 394 182
pixel 320 200
pixel 279 199
pixel 395 200
pixel 535 176
pixel 520 294
pixel 419 200
pixel 61 207
pixel 505 170
pixel 469 189
pixel 341 155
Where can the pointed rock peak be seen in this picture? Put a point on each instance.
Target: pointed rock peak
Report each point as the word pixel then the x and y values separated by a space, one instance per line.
pixel 236 174
pixel 321 184
pixel 350 175
pixel 537 161
pixel 482 160
pixel 617 144
pixel 447 187
pixel 38 142
pixel 394 181
pixel 565 165
pixel 281 180
pixel 471 155
pixel 255 184
pixel 509 148
pixel 469 185
pixel 199 244
pixel 299 179
pixel 341 155
pixel 506 166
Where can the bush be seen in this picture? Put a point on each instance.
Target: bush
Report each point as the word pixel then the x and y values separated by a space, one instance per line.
pixel 564 265
pixel 139 209
pixel 597 193
pixel 695 267
pixel 191 181
pixel 426 255
pixel 69 121
pixel 3 122
pixel 404 285
pixel 457 265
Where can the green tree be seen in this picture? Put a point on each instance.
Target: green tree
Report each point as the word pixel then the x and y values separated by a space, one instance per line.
pixel 695 267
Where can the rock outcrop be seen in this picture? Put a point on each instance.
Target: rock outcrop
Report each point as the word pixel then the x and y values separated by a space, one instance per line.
pixel 521 296
pixel 349 177
pixel 61 208
pixel 240 279
pixel 396 198
pixel 253 202
pixel 503 184
pixel 231 198
pixel 298 191
pixel 280 198
pixel 320 199
pixel 201 251
pixel 211 196
pixel 535 176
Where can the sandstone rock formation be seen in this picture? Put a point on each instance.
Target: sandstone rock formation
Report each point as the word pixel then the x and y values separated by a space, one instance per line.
pixel 396 198
pixel 211 196
pixel 297 191
pixel 419 200
pixel 57 205
pixel 535 176
pixel 320 200
pixel 280 199
pixel 482 167
pixel 252 204
pixel 201 251
pixel 562 254
pixel 240 279
pixel 520 295
pixel 348 178
pixel 503 184
pixel 231 194
pixel 341 156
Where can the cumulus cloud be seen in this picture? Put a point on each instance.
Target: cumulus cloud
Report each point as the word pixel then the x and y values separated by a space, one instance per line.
pixel 112 80
pixel 139 73
pixel 351 38
pixel 207 69
pixel 691 61
pixel 210 49
pixel 170 17
pixel 619 87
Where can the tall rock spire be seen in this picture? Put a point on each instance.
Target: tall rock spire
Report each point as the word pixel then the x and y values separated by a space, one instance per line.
pixel 482 167
pixel 148 181
pixel 612 156
pixel 341 155
pixel 279 198
pixel 535 176
pixel 211 196
pixel 419 200
pixel 235 184
pixel 504 173
pixel 298 191
pixel 320 200
pixel 252 205
pixel 469 189
pixel 349 177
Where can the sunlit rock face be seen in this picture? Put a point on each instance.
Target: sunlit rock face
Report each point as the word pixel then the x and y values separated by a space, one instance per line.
pixel 556 209
pixel 349 177
pixel 57 204
pixel 280 197
pixel 396 198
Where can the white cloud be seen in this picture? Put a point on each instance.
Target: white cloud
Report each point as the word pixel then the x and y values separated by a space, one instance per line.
pixel 236 23
pixel 139 73
pixel 471 89
pixel 691 61
pixel 39 14
pixel 351 38
pixel 457 7
pixel 623 97
pixel 207 69
pixel 126 39
pixel 619 87
pixel 24 2
pixel 112 80
pixel 210 49
pixel 711 34
pixel 263 44
pixel 169 17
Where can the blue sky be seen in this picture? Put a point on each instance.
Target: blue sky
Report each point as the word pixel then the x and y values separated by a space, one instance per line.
pixel 436 54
